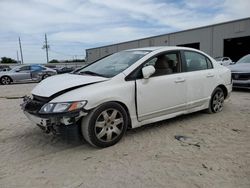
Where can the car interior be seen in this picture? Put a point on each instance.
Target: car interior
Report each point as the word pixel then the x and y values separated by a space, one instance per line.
pixel 164 64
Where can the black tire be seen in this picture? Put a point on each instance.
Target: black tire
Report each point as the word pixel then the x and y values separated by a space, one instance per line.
pixel 216 101
pixel 5 80
pixel 45 76
pixel 105 125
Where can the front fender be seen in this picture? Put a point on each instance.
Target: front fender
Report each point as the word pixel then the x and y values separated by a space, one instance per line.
pixel 96 94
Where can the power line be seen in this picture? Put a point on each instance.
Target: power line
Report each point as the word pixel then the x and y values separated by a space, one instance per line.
pixel 45 46
pixel 60 53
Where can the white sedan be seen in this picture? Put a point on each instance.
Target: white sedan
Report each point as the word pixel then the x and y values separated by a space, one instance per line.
pixel 128 89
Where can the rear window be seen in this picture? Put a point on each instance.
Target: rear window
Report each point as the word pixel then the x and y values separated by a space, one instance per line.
pixel 196 61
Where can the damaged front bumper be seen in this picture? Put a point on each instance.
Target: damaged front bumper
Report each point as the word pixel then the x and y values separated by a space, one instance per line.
pixel 56 123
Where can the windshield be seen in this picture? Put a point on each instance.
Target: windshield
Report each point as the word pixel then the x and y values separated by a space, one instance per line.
pixel 114 64
pixel 245 59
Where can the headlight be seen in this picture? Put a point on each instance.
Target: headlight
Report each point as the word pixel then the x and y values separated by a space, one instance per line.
pixel 62 107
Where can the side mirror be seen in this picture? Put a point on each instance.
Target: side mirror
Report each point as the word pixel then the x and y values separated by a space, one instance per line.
pixel 18 70
pixel 148 71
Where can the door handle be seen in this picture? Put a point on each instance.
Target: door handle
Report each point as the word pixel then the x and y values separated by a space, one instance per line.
pixel 179 80
pixel 210 75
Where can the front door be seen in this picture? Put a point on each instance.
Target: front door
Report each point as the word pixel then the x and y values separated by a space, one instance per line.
pixel 23 74
pixel 164 92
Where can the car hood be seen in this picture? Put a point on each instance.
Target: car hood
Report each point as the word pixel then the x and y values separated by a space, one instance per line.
pixel 63 83
pixel 240 67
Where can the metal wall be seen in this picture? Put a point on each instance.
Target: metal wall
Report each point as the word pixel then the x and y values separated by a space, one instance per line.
pixel 211 39
pixel 226 31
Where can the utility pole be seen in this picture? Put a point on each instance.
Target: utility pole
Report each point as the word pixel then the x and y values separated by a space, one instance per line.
pixel 17 56
pixel 46 47
pixel 21 52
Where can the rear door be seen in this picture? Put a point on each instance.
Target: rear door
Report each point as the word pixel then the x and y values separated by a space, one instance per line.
pixel 164 92
pixel 35 70
pixel 200 78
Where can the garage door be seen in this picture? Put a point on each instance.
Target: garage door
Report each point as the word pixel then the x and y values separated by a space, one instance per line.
pixel 235 48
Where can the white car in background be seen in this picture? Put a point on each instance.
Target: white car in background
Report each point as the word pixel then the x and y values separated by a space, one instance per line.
pixel 128 89
pixel 225 61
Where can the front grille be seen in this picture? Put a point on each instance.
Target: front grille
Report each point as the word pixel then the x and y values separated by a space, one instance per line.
pixel 241 76
pixel 34 105
pixel 243 85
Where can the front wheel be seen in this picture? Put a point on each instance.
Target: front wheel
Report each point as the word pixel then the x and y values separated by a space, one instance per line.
pixel 5 80
pixel 105 125
pixel 216 101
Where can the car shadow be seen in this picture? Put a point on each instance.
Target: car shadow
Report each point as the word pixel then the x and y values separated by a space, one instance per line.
pixel 59 142
pixel 167 122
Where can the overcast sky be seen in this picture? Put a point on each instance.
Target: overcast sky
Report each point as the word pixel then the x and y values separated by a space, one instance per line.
pixel 75 25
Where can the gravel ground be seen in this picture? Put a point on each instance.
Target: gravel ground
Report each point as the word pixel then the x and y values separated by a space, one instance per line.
pixel 212 151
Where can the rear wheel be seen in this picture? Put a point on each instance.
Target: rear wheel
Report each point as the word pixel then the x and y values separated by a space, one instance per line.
pixel 6 80
pixel 105 125
pixel 45 76
pixel 216 101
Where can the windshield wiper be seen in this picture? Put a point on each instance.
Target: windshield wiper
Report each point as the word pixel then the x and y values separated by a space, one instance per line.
pixel 91 73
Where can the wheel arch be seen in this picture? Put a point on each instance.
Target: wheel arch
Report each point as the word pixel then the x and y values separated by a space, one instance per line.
pixel 224 89
pixel 127 111
pixel 46 75
pixel 123 105
pixel 6 76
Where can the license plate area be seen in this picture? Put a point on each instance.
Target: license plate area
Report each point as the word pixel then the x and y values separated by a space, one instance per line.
pixel 38 121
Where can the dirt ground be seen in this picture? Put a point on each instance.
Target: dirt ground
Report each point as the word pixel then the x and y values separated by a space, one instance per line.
pixel 197 150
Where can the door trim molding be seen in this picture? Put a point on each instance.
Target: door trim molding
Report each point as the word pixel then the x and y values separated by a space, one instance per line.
pixel 162 112
pixel 174 109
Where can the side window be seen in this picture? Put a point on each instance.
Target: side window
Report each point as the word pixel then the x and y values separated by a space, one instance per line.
pixel 196 61
pixel 209 64
pixel 150 62
pixel 165 64
pixel 25 68
pixel 36 68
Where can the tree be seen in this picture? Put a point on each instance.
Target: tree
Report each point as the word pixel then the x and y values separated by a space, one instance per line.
pixel 54 61
pixel 7 60
pixel 74 60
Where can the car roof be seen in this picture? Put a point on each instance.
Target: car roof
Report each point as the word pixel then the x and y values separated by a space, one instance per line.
pixel 154 48
pixel 29 65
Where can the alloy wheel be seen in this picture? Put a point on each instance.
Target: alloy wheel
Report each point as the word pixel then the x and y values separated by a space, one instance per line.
pixel 5 80
pixel 109 125
pixel 218 101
